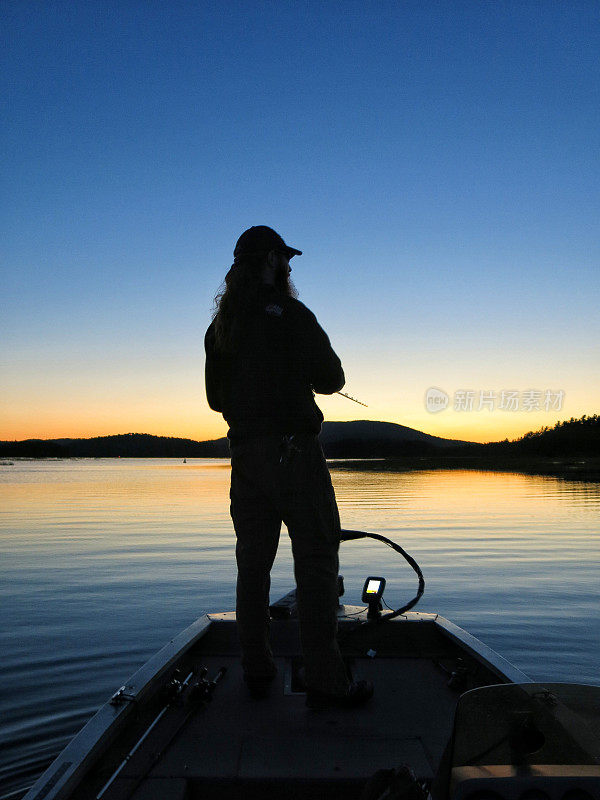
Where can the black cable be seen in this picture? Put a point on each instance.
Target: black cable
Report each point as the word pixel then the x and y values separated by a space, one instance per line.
pixel 347 535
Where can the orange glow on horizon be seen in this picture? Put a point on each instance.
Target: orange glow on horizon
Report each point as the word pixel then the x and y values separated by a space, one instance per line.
pixel 464 427
pixel 177 409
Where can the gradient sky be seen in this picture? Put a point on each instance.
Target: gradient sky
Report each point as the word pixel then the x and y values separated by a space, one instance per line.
pixel 437 162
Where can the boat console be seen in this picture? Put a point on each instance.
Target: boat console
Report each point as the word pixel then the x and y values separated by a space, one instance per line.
pixel 527 741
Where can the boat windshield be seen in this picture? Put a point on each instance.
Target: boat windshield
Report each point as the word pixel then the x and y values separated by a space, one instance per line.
pixel 529 723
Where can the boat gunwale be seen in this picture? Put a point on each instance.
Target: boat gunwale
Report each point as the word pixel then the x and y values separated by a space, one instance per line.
pixel 89 743
pixel 481 651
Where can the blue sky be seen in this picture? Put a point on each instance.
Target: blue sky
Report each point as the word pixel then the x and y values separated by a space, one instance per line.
pixel 438 164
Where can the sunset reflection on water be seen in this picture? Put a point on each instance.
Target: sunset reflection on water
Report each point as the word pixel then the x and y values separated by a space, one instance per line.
pixel 103 561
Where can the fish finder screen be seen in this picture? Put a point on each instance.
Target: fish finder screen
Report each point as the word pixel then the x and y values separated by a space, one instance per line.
pixel 373 587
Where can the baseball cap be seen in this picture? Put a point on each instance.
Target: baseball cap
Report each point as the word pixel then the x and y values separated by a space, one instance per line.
pixel 262 239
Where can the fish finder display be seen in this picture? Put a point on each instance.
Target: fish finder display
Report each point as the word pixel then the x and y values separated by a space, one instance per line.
pixel 373 589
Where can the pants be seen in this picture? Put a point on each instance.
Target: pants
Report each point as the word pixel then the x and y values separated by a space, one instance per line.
pixel 275 479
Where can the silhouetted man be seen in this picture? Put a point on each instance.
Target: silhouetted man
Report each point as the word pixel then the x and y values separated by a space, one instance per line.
pixel 266 355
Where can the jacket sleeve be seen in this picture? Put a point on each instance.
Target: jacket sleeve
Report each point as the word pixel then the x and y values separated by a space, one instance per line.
pixel 325 368
pixel 212 373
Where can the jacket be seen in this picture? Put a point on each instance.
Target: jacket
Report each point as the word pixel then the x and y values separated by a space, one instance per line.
pixel 267 386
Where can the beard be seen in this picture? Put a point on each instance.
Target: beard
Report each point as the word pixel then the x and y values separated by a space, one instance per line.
pixel 284 284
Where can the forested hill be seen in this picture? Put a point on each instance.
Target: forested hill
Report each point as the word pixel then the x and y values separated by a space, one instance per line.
pixel 126 445
pixel 358 439
pixel 568 438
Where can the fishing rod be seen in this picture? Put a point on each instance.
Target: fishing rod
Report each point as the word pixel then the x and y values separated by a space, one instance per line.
pixel 354 400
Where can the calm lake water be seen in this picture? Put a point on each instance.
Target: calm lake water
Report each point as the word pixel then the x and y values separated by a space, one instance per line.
pixel 105 560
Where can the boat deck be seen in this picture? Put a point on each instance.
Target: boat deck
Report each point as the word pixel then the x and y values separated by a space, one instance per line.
pixel 275 746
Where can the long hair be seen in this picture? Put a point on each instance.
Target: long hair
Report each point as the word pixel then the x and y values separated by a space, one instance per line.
pixel 237 295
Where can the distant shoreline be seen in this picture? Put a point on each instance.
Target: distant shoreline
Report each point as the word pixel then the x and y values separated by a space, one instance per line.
pixel 573 468
pixel 570 450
